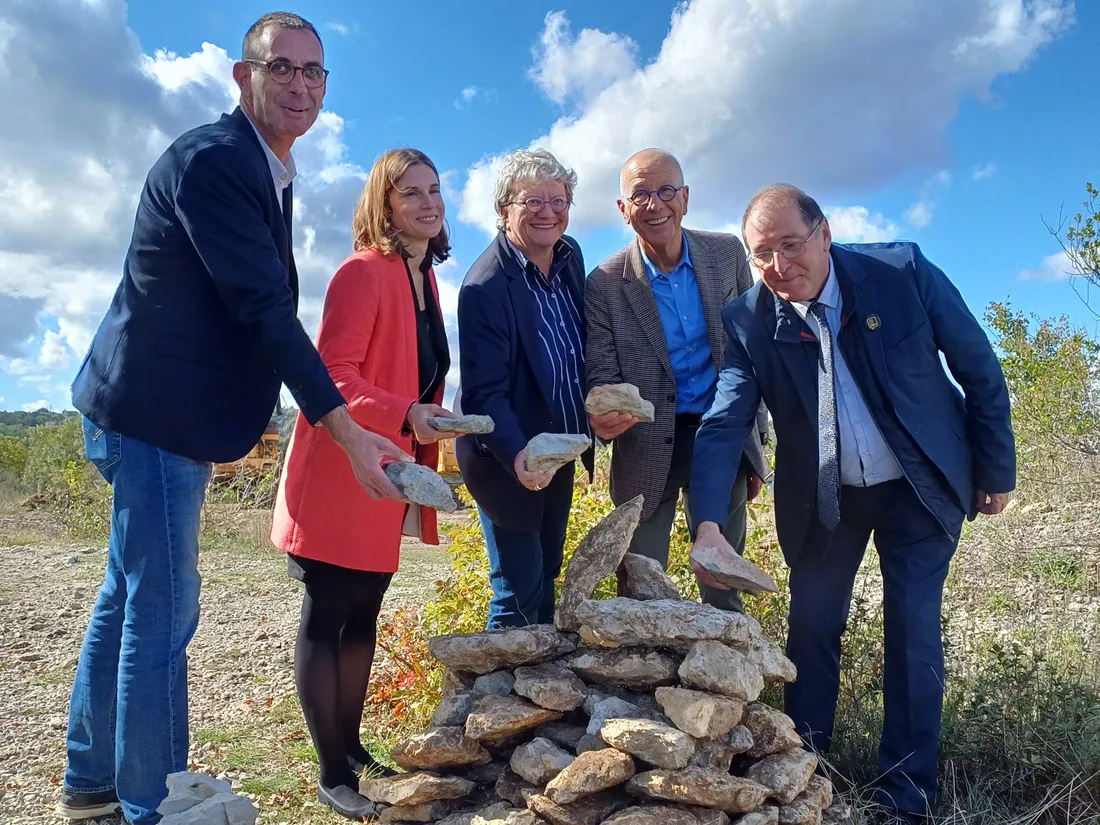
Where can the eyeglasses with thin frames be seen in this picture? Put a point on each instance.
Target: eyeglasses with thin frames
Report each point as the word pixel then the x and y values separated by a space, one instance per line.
pixel 283 71
pixel 789 250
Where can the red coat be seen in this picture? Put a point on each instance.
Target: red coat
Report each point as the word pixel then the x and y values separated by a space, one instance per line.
pixel 367 339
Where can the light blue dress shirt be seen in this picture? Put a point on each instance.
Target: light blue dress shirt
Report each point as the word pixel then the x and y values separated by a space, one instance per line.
pixel 865 457
pixel 680 306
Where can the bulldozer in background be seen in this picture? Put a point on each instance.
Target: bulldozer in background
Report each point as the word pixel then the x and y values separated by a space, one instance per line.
pixel 263 458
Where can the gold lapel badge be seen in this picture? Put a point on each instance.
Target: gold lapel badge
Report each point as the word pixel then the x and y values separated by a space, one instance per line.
pixel 873 322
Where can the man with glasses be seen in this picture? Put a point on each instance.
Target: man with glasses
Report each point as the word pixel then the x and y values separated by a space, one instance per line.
pixel 843 343
pixel 654 318
pixel 184 371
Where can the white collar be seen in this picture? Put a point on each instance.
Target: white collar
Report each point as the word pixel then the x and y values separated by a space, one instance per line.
pixel 282 174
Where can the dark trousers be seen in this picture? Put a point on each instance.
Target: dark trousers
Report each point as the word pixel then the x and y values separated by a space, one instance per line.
pixel 523 564
pixel 914 555
pixel 652 536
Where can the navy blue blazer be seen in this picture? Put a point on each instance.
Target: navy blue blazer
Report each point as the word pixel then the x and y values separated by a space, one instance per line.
pixel 904 311
pixel 505 373
pixel 203 328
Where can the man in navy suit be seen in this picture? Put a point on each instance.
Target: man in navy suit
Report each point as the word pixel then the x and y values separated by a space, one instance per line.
pixel 185 370
pixel 843 343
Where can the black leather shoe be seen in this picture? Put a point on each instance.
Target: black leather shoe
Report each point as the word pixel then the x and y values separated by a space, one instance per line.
pixel 346 802
pixel 78 805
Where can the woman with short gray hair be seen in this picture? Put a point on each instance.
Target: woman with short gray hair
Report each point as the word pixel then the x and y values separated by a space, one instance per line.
pixel 521 352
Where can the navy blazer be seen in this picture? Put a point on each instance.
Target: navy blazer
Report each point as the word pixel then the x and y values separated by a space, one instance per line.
pixel 505 374
pixel 905 312
pixel 203 328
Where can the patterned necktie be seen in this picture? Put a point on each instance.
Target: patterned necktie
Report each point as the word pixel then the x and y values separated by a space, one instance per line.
pixel 828 441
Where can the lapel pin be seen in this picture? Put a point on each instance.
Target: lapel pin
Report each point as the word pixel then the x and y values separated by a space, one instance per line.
pixel 873 322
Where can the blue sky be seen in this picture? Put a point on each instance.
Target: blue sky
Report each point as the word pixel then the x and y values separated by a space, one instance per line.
pixel 960 129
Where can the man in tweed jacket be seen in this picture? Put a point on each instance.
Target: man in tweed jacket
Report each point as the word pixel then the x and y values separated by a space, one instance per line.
pixel 654 319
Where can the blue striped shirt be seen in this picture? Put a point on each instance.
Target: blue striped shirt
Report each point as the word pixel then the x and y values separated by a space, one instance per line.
pixel 560 332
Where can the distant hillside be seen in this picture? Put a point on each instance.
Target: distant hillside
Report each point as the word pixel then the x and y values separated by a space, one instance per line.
pixel 20 423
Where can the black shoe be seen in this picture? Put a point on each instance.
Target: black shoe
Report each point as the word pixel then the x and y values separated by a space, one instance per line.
pixel 372 766
pixel 77 805
pixel 346 802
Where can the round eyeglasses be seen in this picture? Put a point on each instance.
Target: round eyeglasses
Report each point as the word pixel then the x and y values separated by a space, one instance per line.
pixel 640 197
pixel 283 71
pixel 534 205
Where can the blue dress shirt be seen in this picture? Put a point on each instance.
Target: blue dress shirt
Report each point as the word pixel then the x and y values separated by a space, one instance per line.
pixel 680 307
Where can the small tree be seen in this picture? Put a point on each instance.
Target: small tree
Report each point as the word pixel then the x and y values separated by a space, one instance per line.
pixel 1081 242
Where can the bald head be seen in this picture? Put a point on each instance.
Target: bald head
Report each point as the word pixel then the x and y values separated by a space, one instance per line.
pixel 647 162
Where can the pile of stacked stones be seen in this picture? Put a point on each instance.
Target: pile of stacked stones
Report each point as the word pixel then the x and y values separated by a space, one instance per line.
pixel 636 710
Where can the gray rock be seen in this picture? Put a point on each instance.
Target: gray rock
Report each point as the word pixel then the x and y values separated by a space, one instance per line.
pixel 500 682
pixel 637 669
pixel 496 815
pixel 773 664
pixel 513 788
pixel 492 649
pixel 465 424
pixel 418 788
pixel 227 808
pixel 590 773
pixel 837 813
pixel 717 753
pixel 495 718
pixel 429 812
pixel 668 815
pixel 486 774
pixel 439 749
pixel 730 568
pixel 587 811
pixel 454 708
pixel 702 715
pixel 539 761
pixel 675 623
pixel 597 556
pixel 187 789
pixel 612 707
pixel 714 667
pixel 421 485
pixel 772 731
pixel 699 786
pixel 623 398
pixel 562 733
pixel 588 743
pixel 550 686
pixel 645 701
pixel 645 579
pixel 787 773
pixel 768 815
pixel 552 451
pixel 652 742
pixel 811 806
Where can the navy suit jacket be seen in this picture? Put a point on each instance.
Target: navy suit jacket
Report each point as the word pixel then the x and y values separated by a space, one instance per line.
pixel 905 312
pixel 506 375
pixel 203 328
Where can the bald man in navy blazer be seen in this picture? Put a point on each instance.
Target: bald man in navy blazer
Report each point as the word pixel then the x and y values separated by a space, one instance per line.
pixel 843 344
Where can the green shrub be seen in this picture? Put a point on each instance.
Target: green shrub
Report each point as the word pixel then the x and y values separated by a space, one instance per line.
pixel 56 467
pixel 13 456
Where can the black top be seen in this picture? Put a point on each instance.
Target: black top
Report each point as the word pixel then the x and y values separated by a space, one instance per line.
pixel 433 355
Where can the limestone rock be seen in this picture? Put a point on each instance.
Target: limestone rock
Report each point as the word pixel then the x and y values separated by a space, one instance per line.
pixel 228 808
pixel 465 424
pixel 668 815
pixel 514 788
pixel 612 707
pixel 439 749
pixel 456 680
pixel 499 682
pixel 638 669
pixel 494 718
pixel 768 815
pixel 597 556
pixel 501 815
pixel 421 485
pixel 490 650
pixel 623 398
pixel 429 812
pixel 552 451
pixel 486 774
pixel 645 701
pixel 837 813
pixel 773 664
pixel 594 639
pixel 590 742
pixel 417 788
pixel 702 715
pixel 589 810
pixel 550 686
pixel 645 579
pixel 739 573
pixel 666 622
pixel 653 742
pixel 539 761
pixel 786 773
pixel 717 753
pixel 590 773
pixel 809 807
pixel 714 667
pixel 454 708
pixel 772 730
pixel 187 789
pixel 699 786
pixel 565 734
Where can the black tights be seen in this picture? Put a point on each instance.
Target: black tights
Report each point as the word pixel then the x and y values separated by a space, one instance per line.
pixel 332 663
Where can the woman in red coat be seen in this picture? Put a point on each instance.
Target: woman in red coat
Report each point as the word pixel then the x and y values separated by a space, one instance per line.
pixel 383 340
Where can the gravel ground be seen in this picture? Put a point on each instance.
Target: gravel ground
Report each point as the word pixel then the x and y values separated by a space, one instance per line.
pixel 240 659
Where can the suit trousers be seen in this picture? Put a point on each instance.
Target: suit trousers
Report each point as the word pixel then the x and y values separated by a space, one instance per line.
pixel 524 564
pixel 914 553
pixel 652 538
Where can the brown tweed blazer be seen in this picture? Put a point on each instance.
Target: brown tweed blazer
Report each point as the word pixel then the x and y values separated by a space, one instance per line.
pixel 626 343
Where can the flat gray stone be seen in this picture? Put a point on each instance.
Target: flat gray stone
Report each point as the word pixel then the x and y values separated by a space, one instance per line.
pixel 590 773
pixel 589 742
pixel 465 424
pixel 768 815
pixel 491 650
pixel 562 733
pixel 668 815
pixel 421 485
pixel 645 579
pixel 597 556
pixel 675 623
pixel 186 789
pixel 416 788
pixel 714 667
pixel 549 452
pixel 612 707
pixel 730 568
pixel 454 709
pixel 429 812
pixel 651 742
pixel 550 686
pixel 499 682
pixel 636 669
pixel 589 810
pixel 703 715
pixel 699 786
pixel 439 749
pixel 787 773
pixel 539 761
pixel 496 718
pixel 623 398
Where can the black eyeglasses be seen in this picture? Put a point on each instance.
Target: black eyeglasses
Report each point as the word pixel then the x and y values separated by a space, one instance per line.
pixel 641 197
pixel 535 205
pixel 283 71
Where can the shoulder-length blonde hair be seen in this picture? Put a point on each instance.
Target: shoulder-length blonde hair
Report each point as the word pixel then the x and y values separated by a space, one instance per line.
pixel 372 223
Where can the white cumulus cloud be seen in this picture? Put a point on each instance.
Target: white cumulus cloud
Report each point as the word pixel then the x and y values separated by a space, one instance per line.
pixel 584 65
pixel 856 224
pixel 1054 267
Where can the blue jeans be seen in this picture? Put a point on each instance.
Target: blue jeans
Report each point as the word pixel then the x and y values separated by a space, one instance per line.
pixel 523 564
pixel 914 555
pixel 128 711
